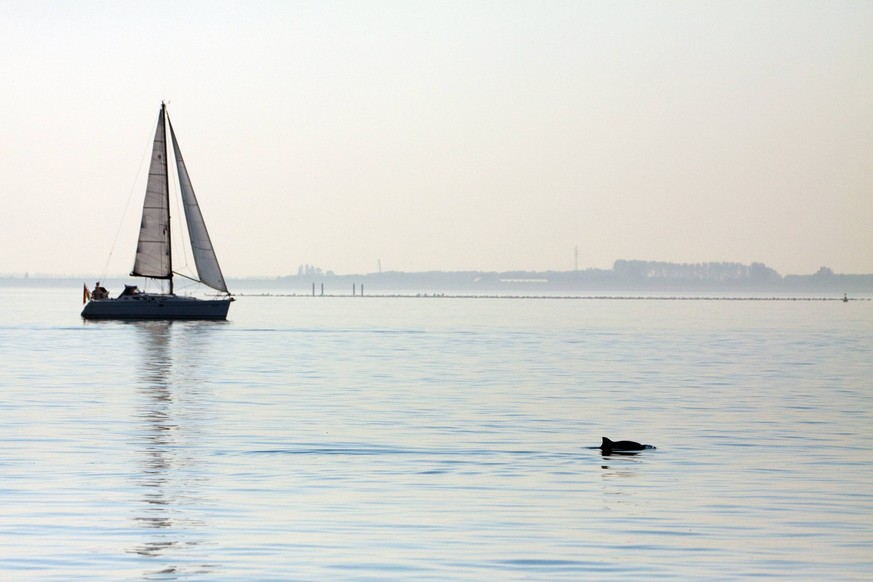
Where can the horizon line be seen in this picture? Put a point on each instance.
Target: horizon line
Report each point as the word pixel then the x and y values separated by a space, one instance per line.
pixel 330 273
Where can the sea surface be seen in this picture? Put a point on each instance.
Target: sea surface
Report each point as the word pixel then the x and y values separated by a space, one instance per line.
pixel 439 438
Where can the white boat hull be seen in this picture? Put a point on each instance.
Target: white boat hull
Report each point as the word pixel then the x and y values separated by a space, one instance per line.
pixel 156 306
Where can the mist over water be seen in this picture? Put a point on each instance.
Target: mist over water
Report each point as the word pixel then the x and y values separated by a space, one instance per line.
pixel 376 438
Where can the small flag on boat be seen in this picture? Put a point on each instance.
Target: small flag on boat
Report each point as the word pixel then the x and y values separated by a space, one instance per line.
pixel 86 295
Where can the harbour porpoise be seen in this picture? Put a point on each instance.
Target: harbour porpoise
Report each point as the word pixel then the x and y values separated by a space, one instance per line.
pixel 622 447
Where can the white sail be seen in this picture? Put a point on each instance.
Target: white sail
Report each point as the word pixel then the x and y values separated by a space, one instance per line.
pixel 205 260
pixel 153 248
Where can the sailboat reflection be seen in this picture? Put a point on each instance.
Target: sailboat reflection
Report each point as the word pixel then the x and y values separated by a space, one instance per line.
pixel 170 477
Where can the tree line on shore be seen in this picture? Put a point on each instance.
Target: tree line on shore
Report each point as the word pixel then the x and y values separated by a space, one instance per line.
pixel 625 274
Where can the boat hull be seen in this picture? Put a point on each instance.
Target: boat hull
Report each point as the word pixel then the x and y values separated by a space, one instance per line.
pixel 155 306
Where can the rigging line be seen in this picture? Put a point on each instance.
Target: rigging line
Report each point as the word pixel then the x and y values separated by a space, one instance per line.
pixel 190 278
pixel 177 196
pixel 127 204
pixel 198 282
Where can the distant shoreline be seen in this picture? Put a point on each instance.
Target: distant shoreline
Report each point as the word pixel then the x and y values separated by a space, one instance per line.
pixel 626 277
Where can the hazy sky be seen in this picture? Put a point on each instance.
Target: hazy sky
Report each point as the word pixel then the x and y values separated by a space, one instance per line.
pixel 444 135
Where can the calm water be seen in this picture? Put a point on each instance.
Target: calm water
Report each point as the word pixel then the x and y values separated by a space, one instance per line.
pixel 436 439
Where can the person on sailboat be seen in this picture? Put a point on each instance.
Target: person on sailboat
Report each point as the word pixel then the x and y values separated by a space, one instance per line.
pixel 99 292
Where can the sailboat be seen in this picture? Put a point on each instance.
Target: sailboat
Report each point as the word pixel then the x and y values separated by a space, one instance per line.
pixel 154 255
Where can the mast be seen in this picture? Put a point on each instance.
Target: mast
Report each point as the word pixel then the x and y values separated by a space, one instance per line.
pixel 167 190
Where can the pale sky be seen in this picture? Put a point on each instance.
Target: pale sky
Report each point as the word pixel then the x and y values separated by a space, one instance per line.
pixel 444 135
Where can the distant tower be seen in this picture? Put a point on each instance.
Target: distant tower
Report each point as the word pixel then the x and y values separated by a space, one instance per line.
pixel 576 258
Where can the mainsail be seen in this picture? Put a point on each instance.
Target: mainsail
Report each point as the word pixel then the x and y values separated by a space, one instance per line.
pixel 205 260
pixel 153 248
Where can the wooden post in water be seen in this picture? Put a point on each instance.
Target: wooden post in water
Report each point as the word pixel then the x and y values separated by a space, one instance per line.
pixel 353 289
pixel 313 289
pixel 322 289
pixel 362 289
